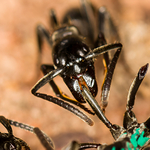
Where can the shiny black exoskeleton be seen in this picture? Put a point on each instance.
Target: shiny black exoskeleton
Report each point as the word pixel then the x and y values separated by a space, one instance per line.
pixel 73 57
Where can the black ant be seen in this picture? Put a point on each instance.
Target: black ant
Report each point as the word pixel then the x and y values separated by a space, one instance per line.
pixel 74 59
pixel 9 142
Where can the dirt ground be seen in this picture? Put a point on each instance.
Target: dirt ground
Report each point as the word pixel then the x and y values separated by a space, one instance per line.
pixel 19 70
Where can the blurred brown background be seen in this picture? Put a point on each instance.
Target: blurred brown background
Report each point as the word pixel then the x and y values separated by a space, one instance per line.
pixel 19 69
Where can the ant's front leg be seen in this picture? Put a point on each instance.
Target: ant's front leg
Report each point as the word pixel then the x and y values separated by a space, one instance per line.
pixel 101 36
pixel 103 20
pixel 47 78
pixel 99 42
pixel 108 79
pixel 42 33
pixel 46 69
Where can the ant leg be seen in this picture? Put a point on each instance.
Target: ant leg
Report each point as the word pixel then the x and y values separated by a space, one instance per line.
pixel 88 145
pixel 129 116
pixel 30 129
pixel 53 19
pixel 47 78
pixel 46 69
pixel 101 38
pixel 94 105
pixel 67 106
pixel 106 60
pixel 41 33
pixel 102 49
pixel 103 17
pixel 43 140
pixel 102 41
pixel 134 87
pixel 115 130
pixel 108 79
